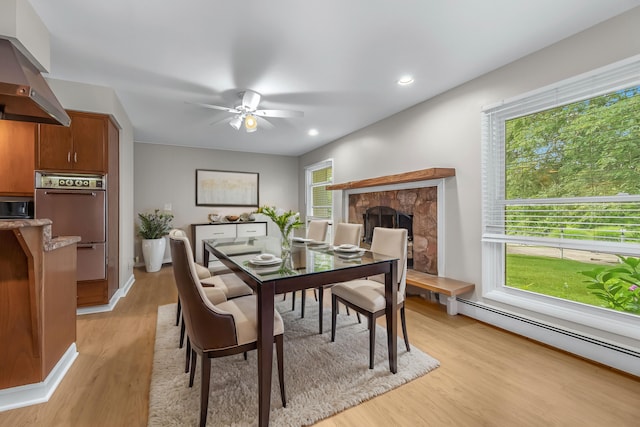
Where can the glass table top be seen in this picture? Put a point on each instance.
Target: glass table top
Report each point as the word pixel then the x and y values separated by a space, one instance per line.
pixel 305 258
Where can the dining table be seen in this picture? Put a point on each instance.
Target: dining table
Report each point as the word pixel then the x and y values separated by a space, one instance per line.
pixel 262 264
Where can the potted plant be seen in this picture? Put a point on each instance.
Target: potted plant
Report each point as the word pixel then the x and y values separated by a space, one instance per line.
pixel 152 229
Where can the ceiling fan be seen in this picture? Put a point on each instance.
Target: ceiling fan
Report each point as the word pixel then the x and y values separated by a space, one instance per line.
pixel 247 112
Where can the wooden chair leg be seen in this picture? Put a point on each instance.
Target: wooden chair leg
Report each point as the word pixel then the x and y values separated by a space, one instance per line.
pixel 303 302
pixel 188 356
pixel 245 355
pixel 204 389
pixel 372 340
pixel 334 313
pixel 404 328
pixel 293 300
pixel 178 310
pixel 182 332
pixel 315 294
pixel 357 315
pixel 192 371
pixel 280 357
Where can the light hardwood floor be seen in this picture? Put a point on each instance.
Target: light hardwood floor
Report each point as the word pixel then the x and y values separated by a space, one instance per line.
pixel 487 377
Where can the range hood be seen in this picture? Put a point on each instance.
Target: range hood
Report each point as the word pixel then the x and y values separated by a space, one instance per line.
pixel 24 93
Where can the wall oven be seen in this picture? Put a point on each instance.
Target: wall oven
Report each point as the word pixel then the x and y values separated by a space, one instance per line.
pixel 76 205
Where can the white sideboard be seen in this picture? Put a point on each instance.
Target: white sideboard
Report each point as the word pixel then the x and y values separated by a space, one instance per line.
pixel 223 230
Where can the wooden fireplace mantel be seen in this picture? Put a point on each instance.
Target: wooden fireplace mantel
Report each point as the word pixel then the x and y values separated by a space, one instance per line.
pixel 420 175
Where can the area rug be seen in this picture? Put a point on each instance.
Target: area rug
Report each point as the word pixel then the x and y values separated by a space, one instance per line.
pixel 321 377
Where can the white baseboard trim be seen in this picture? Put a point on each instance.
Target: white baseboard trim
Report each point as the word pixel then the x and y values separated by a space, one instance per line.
pixel 121 292
pixel 608 353
pixel 31 394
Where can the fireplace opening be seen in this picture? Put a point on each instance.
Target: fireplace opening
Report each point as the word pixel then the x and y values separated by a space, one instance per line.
pixel 384 216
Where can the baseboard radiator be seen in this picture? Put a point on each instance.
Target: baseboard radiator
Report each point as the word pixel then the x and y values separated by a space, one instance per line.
pixel 619 357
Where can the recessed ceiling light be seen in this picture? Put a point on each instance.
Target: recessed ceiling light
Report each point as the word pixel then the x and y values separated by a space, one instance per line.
pixel 405 80
pixel 313 132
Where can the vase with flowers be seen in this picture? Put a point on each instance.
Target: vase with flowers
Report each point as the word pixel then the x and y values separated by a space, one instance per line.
pixel 287 221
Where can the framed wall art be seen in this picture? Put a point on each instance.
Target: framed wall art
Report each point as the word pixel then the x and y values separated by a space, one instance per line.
pixel 226 188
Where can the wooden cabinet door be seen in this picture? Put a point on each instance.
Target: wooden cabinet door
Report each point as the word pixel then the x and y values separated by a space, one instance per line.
pixel 55 148
pixel 17 157
pixel 89 142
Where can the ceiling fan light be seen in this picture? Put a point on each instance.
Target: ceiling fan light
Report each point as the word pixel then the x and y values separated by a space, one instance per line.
pixel 236 122
pixel 250 123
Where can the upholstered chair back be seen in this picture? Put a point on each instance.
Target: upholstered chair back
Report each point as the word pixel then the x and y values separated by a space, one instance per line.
pixel 317 230
pixel 208 327
pixel 392 242
pixel 346 233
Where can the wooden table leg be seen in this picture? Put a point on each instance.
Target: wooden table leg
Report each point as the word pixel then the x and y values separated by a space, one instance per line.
pixel 265 307
pixel 391 312
pixel 320 308
pixel 205 255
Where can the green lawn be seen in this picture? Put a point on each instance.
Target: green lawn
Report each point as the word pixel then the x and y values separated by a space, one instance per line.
pixel 550 276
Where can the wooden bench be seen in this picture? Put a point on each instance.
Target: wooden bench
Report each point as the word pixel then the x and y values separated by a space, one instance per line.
pixel 441 285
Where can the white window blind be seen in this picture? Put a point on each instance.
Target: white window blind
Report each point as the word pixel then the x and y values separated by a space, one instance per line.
pixel 565 187
pixel 319 199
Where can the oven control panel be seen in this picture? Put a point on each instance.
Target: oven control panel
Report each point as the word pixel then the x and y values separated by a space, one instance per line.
pixel 71 182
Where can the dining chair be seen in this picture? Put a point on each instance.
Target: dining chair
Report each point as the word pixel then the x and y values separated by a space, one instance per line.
pixel 367 296
pixel 317 232
pixel 217 330
pixel 217 288
pixel 344 234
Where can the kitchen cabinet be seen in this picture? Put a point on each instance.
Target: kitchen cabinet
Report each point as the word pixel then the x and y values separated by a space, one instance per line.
pixel 81 147
pixel 89 146
pixel 223 230
pixel 17 157
pixel 38 316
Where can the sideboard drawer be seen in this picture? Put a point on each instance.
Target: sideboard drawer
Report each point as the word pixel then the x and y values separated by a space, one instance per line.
pixel 207 231
pixel 226 231
pixel 252 229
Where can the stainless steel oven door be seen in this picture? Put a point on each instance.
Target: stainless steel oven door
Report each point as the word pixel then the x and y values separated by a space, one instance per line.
pixel 91 261
pixel 73 213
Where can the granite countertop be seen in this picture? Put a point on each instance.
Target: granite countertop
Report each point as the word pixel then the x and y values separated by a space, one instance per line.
pixel 48 243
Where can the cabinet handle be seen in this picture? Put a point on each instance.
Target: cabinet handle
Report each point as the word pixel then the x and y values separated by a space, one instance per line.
pixel 68 156
pixel 250 231
pixel 75 157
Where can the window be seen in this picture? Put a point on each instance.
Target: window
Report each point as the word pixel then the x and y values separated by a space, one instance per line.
pixel 319 199
pixel 561 198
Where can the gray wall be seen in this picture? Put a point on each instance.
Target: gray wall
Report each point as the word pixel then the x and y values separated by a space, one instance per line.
pixel 445 132
pixel 166 175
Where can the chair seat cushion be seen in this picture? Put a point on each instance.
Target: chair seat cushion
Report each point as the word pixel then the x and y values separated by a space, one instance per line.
pixel 202 271
pixel 244 312
pixel 231 285
pixel 215 295
pixel 368 294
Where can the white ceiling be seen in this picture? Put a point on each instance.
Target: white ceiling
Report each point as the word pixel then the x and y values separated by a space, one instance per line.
pixel 336 60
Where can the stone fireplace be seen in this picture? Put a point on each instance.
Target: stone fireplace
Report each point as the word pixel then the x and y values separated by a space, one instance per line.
pixel 407 200
pixel 414 209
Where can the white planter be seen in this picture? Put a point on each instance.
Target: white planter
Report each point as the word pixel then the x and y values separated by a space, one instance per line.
pixel 153 253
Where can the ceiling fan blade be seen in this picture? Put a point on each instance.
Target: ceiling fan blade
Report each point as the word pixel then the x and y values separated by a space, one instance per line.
pixel 279 113
pixel 220 120
pixel 250 100
pixel 264 123
pixel 217 107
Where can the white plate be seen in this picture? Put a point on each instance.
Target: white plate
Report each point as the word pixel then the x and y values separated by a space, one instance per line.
pixel 258 261
pixel 301 239
pixel 351 255
pixel 347 250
